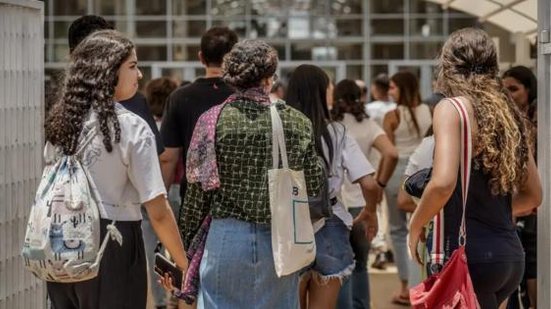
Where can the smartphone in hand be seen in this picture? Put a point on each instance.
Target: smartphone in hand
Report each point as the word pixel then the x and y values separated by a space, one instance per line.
pixel 164 266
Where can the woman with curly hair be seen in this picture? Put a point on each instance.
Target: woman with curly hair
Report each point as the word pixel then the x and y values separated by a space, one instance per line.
pixel 349 110
pixel 123 164
pixel 504 179
pixel 227 170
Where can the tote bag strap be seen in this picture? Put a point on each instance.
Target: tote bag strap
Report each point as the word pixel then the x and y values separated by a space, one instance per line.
pixel 278 139
pixel 437 254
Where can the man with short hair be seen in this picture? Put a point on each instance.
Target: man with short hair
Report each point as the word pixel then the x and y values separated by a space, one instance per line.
pixel 186 104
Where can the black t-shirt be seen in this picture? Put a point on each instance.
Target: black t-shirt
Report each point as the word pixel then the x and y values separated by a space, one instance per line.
pixel 184 107
pixel 138 105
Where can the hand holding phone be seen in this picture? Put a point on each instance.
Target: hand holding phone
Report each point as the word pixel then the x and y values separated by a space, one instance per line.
pixel 164 266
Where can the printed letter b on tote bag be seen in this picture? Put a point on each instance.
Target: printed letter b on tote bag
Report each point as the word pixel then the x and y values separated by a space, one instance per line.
pixel 293 244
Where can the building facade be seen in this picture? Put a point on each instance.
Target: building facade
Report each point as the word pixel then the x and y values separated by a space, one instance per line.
pixel 349 38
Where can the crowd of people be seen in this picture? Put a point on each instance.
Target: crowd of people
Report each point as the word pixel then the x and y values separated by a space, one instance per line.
pixel 191 150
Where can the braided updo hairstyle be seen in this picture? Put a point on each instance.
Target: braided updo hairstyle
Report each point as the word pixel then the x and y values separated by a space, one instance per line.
pixel 248 63
pixel 468 67
pixel 89 85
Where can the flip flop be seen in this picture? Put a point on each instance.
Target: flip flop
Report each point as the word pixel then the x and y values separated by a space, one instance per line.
pixel 400 299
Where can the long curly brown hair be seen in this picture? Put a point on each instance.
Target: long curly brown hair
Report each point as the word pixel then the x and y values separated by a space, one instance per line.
pixel 468 67
pixel 89 85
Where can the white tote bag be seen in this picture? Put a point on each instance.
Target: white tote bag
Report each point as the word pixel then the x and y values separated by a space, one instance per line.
pixel 293 243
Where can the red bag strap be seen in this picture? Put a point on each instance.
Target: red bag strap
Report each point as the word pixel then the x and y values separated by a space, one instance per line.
pixel 437 255
pixel 466 155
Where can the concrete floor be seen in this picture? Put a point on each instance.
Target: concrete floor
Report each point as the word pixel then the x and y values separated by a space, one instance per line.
pixel 383 285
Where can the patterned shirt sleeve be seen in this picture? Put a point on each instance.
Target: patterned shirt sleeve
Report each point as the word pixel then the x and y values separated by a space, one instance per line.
pixel 195 207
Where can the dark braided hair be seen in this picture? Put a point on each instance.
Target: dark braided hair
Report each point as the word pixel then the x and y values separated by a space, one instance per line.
pixel 89 85
pixel 347 97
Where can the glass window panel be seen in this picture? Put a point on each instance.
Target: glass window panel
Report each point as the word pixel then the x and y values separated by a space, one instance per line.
pixel 151 52
pixel 183 52
pixel 46 29
pixel 346 27
pixel 345 7
pixel 459 23
pixel 75 7
pixel 350 51
pixel 280 50
pixel 188 28
pixel 423 6
pixel 387 51
pixel 61 52
pixel 110 7
pixel 189 7
pixel 61 29
pixel 177 74
pixel 318 27
pixel 354 72
pixel 146 72
pixel 150 29
pixel 120 25
pixel 148 7
pixel 47 7
pixel 311 7
pixel 324 53
pixel 331 73
pixel 229 8
pixel 378 69
pixel 302 51
pixel 424 50
pixel 387 6
pixel 239 26
pixel 268 27
pixel 426 27
pixel 387 27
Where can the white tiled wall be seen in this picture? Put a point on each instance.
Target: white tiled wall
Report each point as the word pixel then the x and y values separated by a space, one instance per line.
pixel 21 140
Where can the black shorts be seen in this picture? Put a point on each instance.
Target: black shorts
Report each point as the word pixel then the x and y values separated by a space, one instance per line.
pixel 122 278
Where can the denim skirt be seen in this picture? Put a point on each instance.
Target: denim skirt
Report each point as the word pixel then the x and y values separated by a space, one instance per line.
pixel 237 269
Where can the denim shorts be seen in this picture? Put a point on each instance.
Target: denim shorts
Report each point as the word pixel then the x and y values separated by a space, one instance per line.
pixel 334 255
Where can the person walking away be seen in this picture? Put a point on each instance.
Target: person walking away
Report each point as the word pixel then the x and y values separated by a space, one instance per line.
pixel 405 126
pixel 185 105
pixel 123 164
pixel 350 111
pixel 227 170
pixel 504 179
pixel 521 83
pixel 307 92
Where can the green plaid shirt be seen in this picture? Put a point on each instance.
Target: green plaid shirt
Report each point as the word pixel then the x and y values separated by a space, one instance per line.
pixel 244 155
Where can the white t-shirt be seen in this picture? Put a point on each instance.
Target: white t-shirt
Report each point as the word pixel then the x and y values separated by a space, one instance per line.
pixel 128 176
pixel 422 157
pixel 348 161
pixel 377 110
pixel 365 133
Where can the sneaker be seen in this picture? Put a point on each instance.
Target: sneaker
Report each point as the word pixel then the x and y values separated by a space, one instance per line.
pixel 380 261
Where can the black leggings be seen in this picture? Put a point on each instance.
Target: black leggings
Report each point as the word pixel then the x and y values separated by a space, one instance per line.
pixel 494 282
